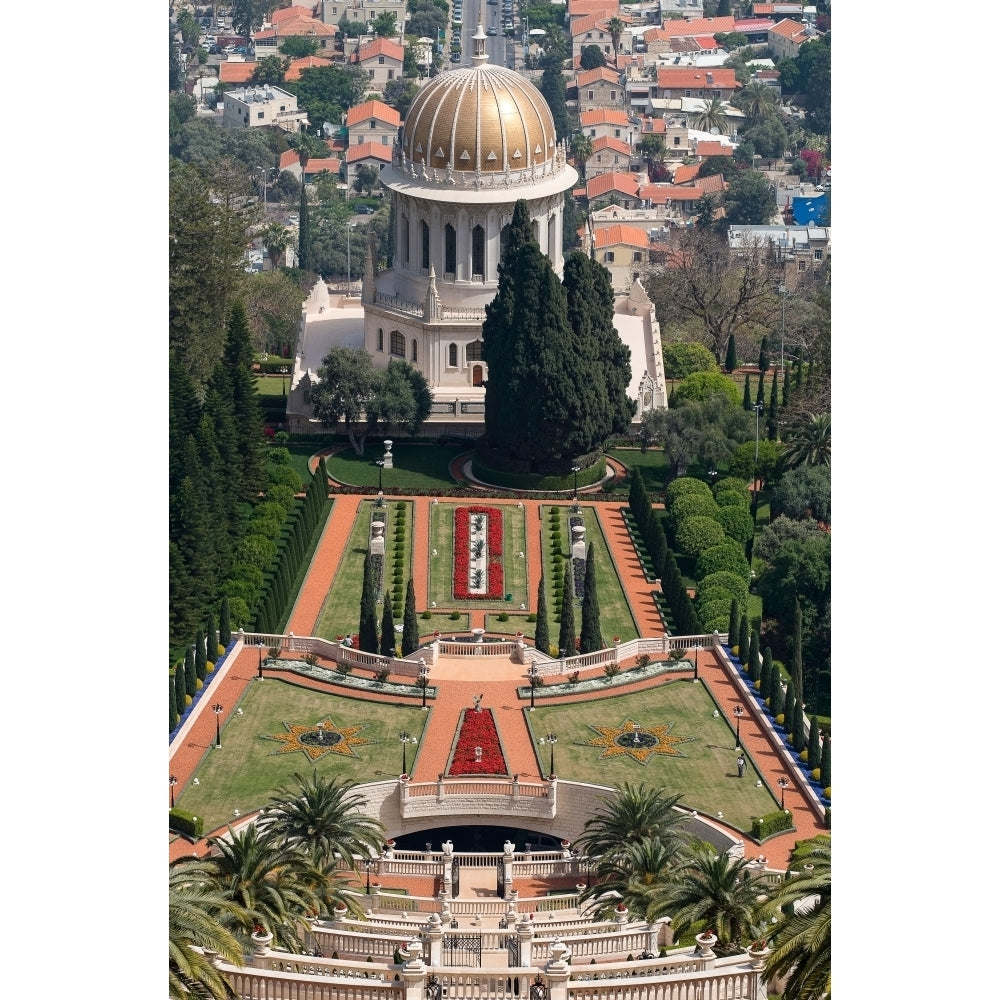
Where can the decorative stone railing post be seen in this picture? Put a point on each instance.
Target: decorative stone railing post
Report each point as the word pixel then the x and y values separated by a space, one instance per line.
pixel 666 643
pixel 508 869
pixel 515 787
pixel 445 905
pixel 758 956
pixel 340 916
pixel 404 790
pixel 704 942
pixel 524 935
pixel 414 971
pixel 557 971
pixel 261 948
pixel 621 914
pixel 435 934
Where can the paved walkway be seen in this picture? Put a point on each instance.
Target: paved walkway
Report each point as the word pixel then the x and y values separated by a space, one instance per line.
pixel 458 679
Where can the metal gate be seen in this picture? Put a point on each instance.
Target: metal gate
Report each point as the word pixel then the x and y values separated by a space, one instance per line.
pixel 463 949
pixel 513 951
pixel 456 870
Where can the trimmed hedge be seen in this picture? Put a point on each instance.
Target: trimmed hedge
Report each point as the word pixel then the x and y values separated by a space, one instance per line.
pixel 186 823
pixel 763 827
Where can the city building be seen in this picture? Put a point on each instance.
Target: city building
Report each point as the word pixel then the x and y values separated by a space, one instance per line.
pixel 254 107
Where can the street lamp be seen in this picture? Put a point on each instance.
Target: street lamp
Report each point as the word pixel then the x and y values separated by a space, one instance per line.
pixel 404 738
pixel 368 876
pixel 260 663
pixel 532 674
pixel 380 462
pixel 350 226
pixel 173 781
pixel 697 650
pixel 738 712
pixel 782 784
pixel 550 738
pixel 217 708
pixel 424 672
pixel 576 469
pixel 782 291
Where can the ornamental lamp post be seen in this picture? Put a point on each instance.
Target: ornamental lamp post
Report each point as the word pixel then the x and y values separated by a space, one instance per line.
pixel 576 470
pixel 697 650
pixel 782 784
pixel 260 663
pixel 173 781
pixel 424 673
pixel 217 708
pixel 368 876
pixel 404 738
pixel 551 739
pixel 738 712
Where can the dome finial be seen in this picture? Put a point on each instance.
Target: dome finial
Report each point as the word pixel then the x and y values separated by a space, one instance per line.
pixel 479 55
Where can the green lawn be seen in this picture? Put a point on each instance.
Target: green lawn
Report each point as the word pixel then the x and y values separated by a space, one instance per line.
pixel 706 774
pixel 414 466
pixel 248 768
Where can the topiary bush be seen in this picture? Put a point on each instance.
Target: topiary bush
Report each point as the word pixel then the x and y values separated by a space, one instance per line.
pixel 697 533
pixel 686 486
pixel 727 556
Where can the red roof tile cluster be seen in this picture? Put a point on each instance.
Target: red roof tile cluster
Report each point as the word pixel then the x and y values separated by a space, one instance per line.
pixel 617 234
pixel 603 142
pixel 319 163
pixel 589 76
pixel 686 172
pixel 614 180
pixel 369 150
pixel 709 147
pixel 696 78
pixel 692 26
pixel 297 26
pixel 236 72
pixel 603 116
pixel 378 110
pixel 296 66
pixel 379 47
pixel 789 29
pixel 660 194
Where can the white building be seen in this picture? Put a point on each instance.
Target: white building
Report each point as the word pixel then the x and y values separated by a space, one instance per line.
pixel 252 107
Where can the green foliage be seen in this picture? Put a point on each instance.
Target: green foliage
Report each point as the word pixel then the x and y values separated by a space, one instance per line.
pixel 684 358
pixel 814 745
pixel 567 623
pixel 699 386
pixel 749 200
pixel 731 360
pixel 591 57
pixel 686 486
pixel 771 824
pixel 697 533
pixel 737 522
pixel 542 620
pixel 185 823
pixel 590 620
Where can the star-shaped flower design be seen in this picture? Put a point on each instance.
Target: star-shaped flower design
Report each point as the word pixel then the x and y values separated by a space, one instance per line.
pixel 632 739
pixel 317 740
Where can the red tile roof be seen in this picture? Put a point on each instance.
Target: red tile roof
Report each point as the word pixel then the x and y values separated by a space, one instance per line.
pixel 366 150
pixel 712 183
pixel 710 147
pixel 603 116
pixel 236 72
pixel 614 180
pixel 772 8
pixel 696 78
pixel 694 26
pixel 296 11
pixel 297 26
pixel 660 194
pixel 753 26
pixel 686 172
pixel 318 163
pixel 380 47
pixel 288 159
pixel 609 8
pixel 789 29
pixel 296 66
pixel 588 22
pixel 603 142
pixel 618 234
pixel 589 76
pixel 373 109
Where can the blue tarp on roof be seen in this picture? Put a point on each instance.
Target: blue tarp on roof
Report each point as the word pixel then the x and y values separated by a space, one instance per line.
pixel 810 211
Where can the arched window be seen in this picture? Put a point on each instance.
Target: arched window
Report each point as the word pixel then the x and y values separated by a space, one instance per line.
pixel 449 250
pixel 381 339
pixel 406 239
pixel 414 358
pixel 474 351
pixel 553 238
pixel 478 253
pixel 453 355
pixel 425 245
pixel 397 344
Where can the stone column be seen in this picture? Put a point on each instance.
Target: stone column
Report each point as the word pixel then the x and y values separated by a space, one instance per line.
pixel 557 971
pixel 435 933
pixel 508 869
pixel 414 972
pixel 524 935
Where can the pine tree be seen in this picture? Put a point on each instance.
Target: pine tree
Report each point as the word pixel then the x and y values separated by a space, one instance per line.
pixel 734 623
pixel 173 703
pixel 211 639
pixel 753 658
pixel 368 624
pixel 747 405
pixel 814 749
pixel 824 762
pixel 797 646
pixel 763 359
pixel 590 617
pixel 225 629
pixel 731 361
pixel 411 632
pixel 190 674
pixel 567 622
pixel 200 659
pixel 541 619
pixel 387 645
pixel 744 640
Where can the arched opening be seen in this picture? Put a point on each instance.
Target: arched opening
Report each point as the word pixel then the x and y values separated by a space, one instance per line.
pixel 477 375
pixel 406 239
pixel 449 251
pixel 453 355
pixel 381 339
pixel 425 245
pixel 397 344
pixel 474 351
pixel 478 253
pixel 414 351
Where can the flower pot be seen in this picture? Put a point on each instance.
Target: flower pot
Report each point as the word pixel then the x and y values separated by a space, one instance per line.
pixel 705 943
pixel 757 957
pixel 262 941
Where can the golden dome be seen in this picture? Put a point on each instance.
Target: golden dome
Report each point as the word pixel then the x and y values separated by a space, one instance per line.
pixel 484 118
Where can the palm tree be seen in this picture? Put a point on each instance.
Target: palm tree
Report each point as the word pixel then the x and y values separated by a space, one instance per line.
pixel 756 100
pixel 324 817
pixel 275 239
pixel 194 925
pixel 808 442
pixel 634 813
pixel 803 945
pixel 709 888
pixel 712 116
pixel 261 872
pixel 581 147
pixel 631 872
pixel 615 26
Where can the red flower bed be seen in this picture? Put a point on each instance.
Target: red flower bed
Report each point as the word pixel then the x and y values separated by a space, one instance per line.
pixel 478 730
pixel 494 554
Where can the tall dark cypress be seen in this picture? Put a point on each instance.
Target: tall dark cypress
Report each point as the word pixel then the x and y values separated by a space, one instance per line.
pixel 791 705
pixel 797 647
pixel 814 751
pixel 190 674
pixel 567 622
pixel 824 762
pixel 387 644
pixel 799 728
pixel 744 640
pixel 541 618
pixel 368 623
pixel 211 639
pixel 173 703
pixel 225 628
pixel 734 623
pixel 411 632
pixel 747 404
pixel 731 360
pixel 760 390
pixel 590 615
pixel 180 688
pixel 753 657
pixel 778 700
pixel 763 359
pixel 200 659
pixel 785 386
pixel 772 410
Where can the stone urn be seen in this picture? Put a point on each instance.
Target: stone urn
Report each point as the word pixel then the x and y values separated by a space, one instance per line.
pixel 261 941
pixel 758 953
pixel 705 941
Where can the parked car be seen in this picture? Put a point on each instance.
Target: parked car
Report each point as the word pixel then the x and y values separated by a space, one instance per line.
pixel 491 30
pixel 456 57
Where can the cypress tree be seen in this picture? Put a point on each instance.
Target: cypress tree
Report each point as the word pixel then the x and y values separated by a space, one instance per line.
pixel 590 617
pixel 814 750
pixel 734 623
pixel 746 393
pixel 305 245
pixel 225 629
pixel 785 387
pixel 798 373
pixel 799 728
pixel 772 411
pixel 744 640
pixel 190 674
pixel 541 618
pixel 760 390
pixel 753 658
pixel 567 623
pixel 731 362
pixel 173 703
pixel 765 678
pixel 180 689
pixel 778 700
pixel 200 660
pixel 411 633
pixel 763 359
pixel 211 639
pixel 791 704
pixel 368 624
pixel 387 645
pixel 797 646
pixel 824 762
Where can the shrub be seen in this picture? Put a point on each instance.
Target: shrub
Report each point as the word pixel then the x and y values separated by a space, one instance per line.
pixel 532 617
pixel 454 616
pixel 691 504
pixel 728 484
pixel 697 533
pixel 186 823
pixel 503 617
pixel 733 498
pixel 735 584
pixel 714 611
pixel 310 658
pixel 726 556
pixel 611 670
pixel 382 674
pixel 344 669
pixel 686 486
pixel 737 522
pixel 574 677
pixel 426 615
